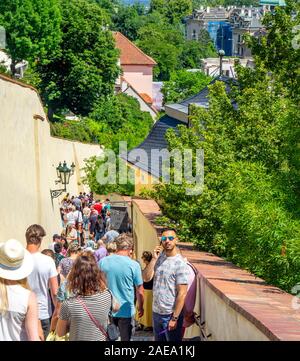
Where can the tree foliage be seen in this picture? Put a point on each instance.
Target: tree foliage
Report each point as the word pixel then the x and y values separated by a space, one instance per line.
pixel 86 67
pixel 173 10
pixel 32 29
pixel 183 84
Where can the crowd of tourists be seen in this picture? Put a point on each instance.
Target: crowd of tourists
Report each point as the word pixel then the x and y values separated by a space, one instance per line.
pixel 88 286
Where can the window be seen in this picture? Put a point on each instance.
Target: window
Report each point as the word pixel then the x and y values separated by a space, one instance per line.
pixel 194 36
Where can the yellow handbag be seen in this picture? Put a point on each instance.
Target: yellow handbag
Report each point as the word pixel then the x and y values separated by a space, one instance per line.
pixel 53 337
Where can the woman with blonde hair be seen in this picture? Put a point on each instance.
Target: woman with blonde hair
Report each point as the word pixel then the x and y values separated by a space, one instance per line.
pixel 18 305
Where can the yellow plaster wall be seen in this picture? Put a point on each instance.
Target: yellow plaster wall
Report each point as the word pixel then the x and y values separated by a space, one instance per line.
pixel 29 156
pixel 145 236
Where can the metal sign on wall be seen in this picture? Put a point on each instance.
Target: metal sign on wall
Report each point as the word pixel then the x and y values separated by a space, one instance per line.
pixel 119 218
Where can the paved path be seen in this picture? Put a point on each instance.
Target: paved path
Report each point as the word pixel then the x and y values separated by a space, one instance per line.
pixel 142 336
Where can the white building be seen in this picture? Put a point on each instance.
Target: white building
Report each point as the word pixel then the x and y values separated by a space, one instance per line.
pixel 5 61
pixel 244 20
pixel 211 66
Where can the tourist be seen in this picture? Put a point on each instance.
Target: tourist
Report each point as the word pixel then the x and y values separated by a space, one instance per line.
pixel 107 205
pixel 70 215
pixel 48 252
pixel 80 234
pixel 99 228
pixel 98 207
pixel 93 220
pixel 90 305
pixel 58 256
pixel 65 246
pixel 71 233
pixel 110 236
pixel 86 217
pixel 63 293
pixel 101 252
pixel 91 244
pixel 108 225
pixel 170 280
pixel 146 320
pixel 18 304
pixel 66 264
pixel 77 215
pixel 77 202
pixel 124 278
pixel 43 276
pixel 111 248
pixel 55 239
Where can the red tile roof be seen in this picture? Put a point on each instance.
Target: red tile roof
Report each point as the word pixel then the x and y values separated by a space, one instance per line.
pixel 130 53
pixel 146 98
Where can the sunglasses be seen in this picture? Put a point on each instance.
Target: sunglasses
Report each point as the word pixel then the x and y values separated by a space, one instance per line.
pixel 164 238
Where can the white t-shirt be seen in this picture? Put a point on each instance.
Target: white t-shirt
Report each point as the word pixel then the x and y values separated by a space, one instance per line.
pixel 12 322
pixel 77 216
pixel 44 269
pixel 71 218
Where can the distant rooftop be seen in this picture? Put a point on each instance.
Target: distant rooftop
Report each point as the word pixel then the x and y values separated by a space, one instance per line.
pixel 272 2
pixel 130 53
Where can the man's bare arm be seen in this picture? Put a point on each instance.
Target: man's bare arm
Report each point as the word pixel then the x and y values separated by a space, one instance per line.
pixel 148 272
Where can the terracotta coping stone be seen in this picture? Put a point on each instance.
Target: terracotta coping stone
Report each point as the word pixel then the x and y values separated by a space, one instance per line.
pixel 267 307
pixel 150 210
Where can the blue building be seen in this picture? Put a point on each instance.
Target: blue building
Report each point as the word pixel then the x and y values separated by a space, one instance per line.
pixel 221 34
pixel 216 22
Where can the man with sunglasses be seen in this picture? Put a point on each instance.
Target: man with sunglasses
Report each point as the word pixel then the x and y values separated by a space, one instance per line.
pixel 170 279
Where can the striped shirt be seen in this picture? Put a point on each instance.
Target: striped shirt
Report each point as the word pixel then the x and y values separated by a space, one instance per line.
pixel 82 328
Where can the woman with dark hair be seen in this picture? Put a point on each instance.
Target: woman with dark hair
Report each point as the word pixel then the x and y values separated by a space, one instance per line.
pixel 86 313
pixel 80 234
pixel 66 263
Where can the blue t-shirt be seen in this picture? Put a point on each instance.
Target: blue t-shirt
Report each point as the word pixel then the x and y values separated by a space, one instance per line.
pixel 122 274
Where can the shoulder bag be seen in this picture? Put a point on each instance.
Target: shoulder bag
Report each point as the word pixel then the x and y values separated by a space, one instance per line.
pixel 112 333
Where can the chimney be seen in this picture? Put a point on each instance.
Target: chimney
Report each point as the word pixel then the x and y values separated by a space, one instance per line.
pixel 208 10
pixel 249 13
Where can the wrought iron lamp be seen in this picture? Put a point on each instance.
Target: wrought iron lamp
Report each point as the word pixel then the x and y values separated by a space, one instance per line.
pixel 63 175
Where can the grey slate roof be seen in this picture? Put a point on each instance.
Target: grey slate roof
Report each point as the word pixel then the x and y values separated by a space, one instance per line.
pixel 201 98
pixel 156 138
pixel 154 141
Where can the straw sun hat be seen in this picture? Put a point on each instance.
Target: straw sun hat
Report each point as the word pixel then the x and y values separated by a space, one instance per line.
pixel 16 262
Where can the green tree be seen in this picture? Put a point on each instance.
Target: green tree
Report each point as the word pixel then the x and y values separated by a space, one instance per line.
pixel 86 67
pixel 32 29
pixel 183 84
pixel 194 51
pixel 164 43
pixel 173 10
pixel 128 20
pixel 279 50
pixel 116 119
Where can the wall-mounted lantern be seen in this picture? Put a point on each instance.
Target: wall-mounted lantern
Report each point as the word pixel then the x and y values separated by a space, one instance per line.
pixel 63 174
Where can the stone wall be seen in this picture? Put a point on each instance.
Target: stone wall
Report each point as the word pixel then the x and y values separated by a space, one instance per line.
pixel 29 157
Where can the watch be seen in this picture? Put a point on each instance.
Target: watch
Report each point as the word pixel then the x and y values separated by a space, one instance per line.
pixel 174 318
